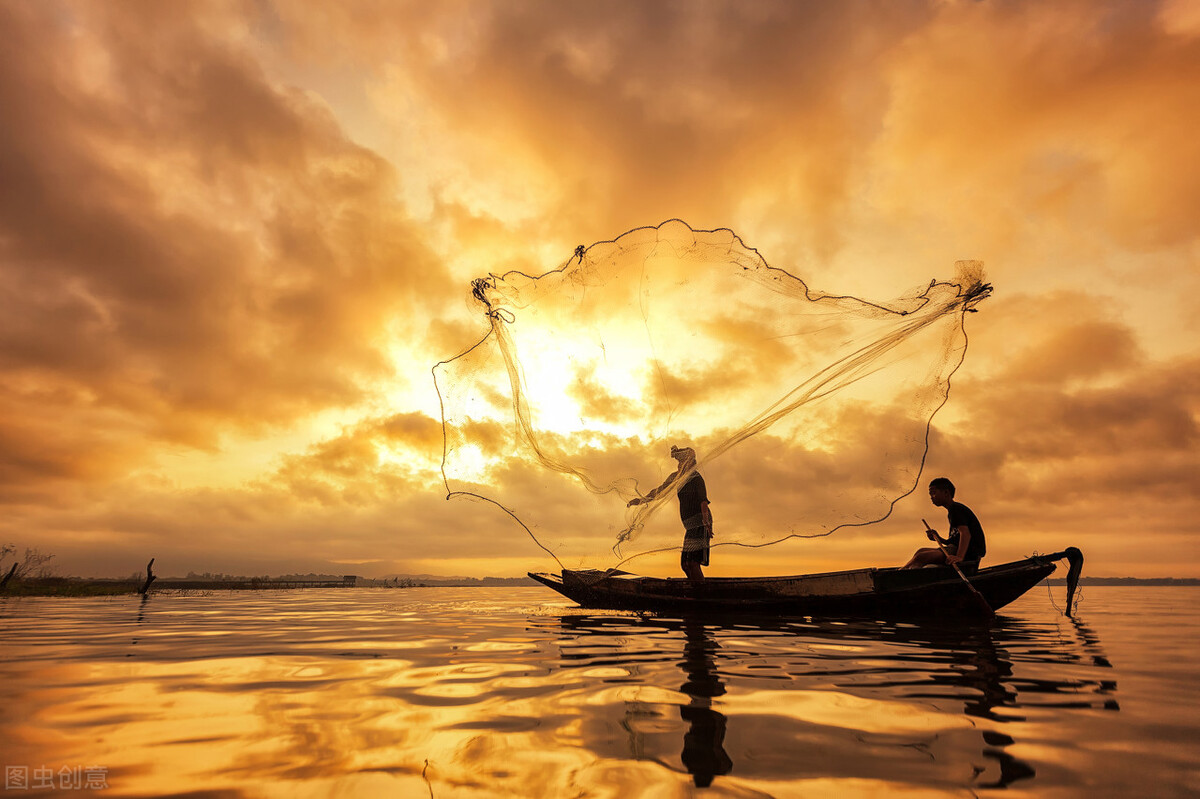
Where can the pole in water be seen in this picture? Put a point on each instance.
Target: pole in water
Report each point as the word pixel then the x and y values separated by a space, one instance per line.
pixel 983 603
pixel 150 577
pixel 1075 558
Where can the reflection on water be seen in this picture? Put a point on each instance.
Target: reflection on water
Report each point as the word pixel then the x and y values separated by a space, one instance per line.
pixel 481 692
pixel 868 659
pixel 704 753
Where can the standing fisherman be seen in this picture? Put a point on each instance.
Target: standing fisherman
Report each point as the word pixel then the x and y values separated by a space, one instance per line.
pixel 693 511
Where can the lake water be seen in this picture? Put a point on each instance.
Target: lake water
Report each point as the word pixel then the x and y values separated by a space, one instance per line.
pixel 479 692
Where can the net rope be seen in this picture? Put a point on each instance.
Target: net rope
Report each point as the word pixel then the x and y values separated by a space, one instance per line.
pixel 584 375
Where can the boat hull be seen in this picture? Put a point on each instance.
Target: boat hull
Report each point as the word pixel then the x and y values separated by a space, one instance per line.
pixel 875 593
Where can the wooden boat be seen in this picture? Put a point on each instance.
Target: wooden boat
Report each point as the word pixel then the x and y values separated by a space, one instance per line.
pixel 875 593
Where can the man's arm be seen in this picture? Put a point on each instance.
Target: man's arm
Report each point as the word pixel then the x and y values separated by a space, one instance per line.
pixel 654 492
pixel 964 541
pixel 706 517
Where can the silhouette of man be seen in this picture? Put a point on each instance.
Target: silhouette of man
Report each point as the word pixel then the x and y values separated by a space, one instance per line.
pixel 693 511
pixel 965 544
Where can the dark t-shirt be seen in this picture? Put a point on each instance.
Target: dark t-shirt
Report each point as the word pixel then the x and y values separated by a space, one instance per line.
pixel 959 514
pixel 691 496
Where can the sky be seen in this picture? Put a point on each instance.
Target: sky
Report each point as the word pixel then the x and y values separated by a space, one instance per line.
pixel 234 240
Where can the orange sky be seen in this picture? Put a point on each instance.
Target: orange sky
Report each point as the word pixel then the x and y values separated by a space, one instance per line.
pixel 233 241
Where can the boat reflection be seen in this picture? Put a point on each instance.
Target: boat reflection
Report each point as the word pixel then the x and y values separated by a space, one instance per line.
pixel 996 676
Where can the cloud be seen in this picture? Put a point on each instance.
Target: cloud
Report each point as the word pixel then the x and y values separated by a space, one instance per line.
pixel 367 464
pixel 606 118
pixel 197 250
pixel 254 226
pixel 1150 410
pixel 1082 462
pixel 1085 350
pixel 998 109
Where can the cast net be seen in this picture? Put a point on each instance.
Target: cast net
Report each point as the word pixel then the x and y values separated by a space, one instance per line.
pixel 809 412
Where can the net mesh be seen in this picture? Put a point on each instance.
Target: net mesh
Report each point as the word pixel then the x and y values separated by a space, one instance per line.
pixel 809 412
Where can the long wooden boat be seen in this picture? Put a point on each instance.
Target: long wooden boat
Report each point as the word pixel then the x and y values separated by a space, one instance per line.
pixel 876 593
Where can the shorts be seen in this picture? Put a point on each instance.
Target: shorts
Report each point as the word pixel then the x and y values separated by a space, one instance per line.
pixel 695 547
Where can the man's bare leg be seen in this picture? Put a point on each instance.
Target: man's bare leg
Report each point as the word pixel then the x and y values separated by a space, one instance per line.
pixel 924 557
pixel 693 571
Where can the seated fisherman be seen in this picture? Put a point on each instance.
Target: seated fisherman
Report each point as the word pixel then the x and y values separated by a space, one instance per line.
pixel 965 544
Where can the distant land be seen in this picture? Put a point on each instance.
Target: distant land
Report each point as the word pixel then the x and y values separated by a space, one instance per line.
pixel 82 586
pixel 442 581
pixel 386 581
pixel 431 580
pixel 1085 580
pixel 99 586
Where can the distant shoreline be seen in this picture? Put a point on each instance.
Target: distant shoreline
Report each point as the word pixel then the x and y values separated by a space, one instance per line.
pixel 93 586
pixel 77 586
pixel 1150 581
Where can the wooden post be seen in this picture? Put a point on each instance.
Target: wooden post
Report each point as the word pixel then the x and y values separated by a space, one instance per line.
pixel 8 576
pixel 149 577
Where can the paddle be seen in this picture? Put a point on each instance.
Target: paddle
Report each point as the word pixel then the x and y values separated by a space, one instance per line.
pixel 983 603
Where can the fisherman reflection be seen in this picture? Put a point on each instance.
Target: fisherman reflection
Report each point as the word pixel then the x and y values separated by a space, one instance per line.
pixel 703 753
pixel 975 668
pixel 988 670
pixel 985 668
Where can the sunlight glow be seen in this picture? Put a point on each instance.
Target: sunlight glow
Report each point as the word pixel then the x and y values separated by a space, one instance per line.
pixel 472 464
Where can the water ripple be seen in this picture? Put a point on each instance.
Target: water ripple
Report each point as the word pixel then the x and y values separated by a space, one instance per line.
pixel 482 692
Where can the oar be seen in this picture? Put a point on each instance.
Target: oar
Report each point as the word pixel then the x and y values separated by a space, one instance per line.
pixel 983 603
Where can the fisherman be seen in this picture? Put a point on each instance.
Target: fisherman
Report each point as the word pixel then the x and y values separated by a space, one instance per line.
pixel 693 511
pixel 965 544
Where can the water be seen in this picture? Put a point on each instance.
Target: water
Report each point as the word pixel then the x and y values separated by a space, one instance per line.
pixel 480 692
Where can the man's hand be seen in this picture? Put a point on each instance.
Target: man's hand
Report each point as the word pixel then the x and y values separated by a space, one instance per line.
pixel 929 531
pixel 952 559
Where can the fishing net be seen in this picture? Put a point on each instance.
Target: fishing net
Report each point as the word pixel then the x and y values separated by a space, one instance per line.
pixel 808 412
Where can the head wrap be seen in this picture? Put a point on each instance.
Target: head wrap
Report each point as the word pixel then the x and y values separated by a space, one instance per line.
pixel 686 452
